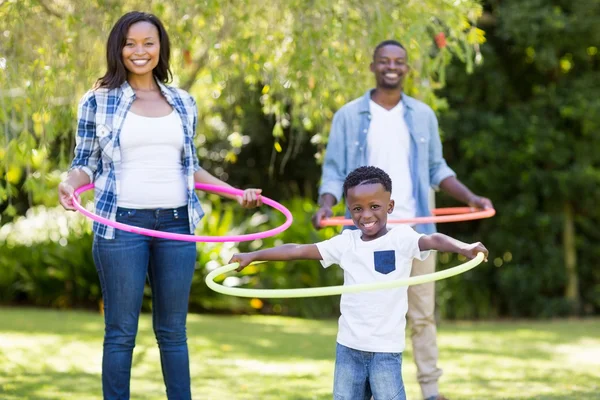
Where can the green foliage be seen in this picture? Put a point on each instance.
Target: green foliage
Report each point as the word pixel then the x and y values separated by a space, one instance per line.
pixel 523 130
pixel 46 260
pixel 301 60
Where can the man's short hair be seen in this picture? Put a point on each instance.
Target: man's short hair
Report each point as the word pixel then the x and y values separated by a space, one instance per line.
pixel 367 175
pixel 386 43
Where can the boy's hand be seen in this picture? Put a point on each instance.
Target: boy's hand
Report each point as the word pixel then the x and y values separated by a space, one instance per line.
pixel 251 198
pixel 471 250
pixel 243 259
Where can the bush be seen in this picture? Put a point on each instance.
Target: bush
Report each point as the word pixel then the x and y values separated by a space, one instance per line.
pixel 46 260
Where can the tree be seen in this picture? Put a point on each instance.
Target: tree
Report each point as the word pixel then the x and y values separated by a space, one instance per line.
pixel 302 58
pixel 524 129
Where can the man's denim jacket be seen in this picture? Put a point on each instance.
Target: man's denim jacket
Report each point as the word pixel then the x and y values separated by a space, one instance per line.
pixel 347 150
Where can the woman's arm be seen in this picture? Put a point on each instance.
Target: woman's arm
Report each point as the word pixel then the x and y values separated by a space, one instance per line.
pixel 250 199
pixel 87 152
pixel 285 252
pixel 75 179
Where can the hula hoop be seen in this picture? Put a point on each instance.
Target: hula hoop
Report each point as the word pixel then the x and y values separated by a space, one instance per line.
pixel 190 238
pixel 332 290
pixel 448 214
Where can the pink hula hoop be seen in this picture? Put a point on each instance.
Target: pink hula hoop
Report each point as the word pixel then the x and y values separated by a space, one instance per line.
pixel 191 238
pixel 448 214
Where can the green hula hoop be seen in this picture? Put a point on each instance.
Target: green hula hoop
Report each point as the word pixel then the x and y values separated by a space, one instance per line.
pixel 332 290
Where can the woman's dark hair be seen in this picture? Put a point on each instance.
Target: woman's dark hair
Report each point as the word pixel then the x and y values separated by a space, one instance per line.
pixel 116 73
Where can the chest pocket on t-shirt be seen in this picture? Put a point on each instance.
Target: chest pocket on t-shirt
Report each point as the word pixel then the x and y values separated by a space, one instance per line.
pixel 385 261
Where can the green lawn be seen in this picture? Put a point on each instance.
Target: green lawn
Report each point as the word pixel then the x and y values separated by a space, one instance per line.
pixel 56 355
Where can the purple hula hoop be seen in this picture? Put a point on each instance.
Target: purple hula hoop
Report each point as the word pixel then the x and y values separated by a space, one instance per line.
pixel 191 238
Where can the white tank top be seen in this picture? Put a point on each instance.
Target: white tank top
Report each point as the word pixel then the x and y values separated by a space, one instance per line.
pixel 151 155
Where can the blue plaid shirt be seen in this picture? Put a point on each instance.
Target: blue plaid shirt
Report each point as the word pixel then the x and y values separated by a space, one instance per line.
pixel 101 114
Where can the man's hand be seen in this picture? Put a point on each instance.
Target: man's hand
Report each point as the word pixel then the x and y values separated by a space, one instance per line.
pixel 65 196
pixel 250 198
pixel 471 250
pixel 243 259
pixel 323 212
pixel 480 202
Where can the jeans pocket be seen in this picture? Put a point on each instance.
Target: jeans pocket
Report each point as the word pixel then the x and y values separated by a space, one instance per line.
pixel 384 261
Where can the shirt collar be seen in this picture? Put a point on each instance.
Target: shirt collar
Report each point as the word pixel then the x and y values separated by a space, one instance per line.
pixel 407 102
pixel 128 90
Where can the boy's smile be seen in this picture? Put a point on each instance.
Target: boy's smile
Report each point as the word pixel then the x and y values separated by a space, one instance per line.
pixel 369 206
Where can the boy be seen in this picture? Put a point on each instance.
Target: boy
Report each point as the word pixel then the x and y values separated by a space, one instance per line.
pixel 370 337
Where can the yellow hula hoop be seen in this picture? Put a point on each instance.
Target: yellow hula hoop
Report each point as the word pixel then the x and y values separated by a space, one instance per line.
pixel 332 290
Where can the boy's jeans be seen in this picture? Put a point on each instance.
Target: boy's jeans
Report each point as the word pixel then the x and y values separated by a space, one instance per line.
pixel 123 264
pixel 362 374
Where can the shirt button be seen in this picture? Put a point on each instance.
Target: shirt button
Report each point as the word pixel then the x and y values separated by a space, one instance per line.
pixel 356 143
pixel 364 131
pixel 422 140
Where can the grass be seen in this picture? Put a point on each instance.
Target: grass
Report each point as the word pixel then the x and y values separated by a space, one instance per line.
pixel 57 355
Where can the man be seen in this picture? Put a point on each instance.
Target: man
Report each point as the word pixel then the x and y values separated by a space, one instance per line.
pixel 399 134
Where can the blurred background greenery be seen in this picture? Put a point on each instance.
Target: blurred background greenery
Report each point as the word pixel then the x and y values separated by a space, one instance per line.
pixel 514 83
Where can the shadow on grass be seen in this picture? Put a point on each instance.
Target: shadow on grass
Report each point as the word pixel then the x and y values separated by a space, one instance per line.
pixel 274 358
pixel 50 385
pixel 270 338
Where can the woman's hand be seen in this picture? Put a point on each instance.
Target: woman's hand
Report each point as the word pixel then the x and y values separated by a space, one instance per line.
pixel 250 198
pixel 65 195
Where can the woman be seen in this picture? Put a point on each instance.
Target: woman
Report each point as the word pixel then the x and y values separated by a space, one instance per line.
pixel 135 142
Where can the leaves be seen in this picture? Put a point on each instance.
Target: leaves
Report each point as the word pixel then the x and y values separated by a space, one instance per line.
pixel 305 59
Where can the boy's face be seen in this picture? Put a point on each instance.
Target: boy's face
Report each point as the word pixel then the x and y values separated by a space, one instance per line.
pixel 369 206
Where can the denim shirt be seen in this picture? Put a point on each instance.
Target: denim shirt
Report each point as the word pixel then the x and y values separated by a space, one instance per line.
pixel 101 115
pixel 347 150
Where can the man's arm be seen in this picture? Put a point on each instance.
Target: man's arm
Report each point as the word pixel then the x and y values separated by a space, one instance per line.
pixel 443 177
pixel 334 167
pixel 285 252
pixel 460 192
pixel 441 242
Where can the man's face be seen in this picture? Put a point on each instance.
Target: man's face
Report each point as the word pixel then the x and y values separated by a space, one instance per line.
pixel 390 67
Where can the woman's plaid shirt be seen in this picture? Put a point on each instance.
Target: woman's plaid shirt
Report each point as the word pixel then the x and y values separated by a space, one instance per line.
pixel 101 114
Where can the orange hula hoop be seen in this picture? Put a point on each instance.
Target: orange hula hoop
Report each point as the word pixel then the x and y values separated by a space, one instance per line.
pixel 440 215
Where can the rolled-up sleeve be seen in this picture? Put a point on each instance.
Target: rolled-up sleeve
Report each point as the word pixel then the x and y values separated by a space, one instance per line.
pixel 195 161
pixel 438 168
pixel 87 148
pixel 334 165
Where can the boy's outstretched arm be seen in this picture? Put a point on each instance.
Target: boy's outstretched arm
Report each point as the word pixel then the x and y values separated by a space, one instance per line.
pixel 441 242
pixel 284 252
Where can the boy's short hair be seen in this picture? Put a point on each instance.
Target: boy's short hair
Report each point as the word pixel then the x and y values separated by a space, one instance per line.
pixel 367 175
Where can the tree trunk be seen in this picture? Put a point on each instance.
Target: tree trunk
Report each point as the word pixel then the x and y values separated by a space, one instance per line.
pixel 570 252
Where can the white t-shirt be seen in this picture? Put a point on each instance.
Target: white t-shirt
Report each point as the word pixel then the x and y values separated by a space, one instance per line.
pixel 375 320
pixel 388 147
pixel 152 170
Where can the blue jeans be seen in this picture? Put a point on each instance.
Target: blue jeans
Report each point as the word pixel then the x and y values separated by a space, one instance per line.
pixel 123 264
pixel 362 374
